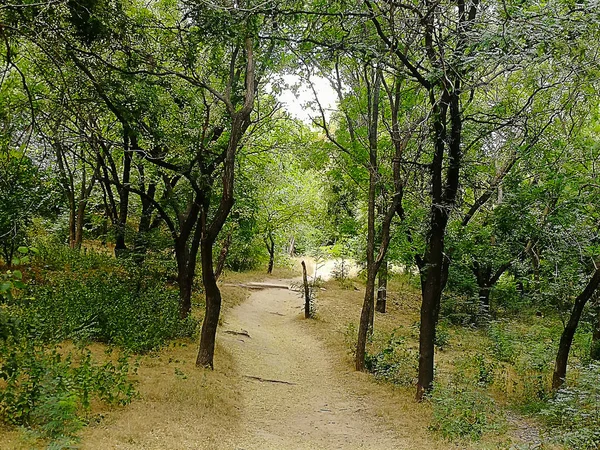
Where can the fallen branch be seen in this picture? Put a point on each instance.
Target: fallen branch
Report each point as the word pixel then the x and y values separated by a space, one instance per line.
pixel 267 380
pixel 238 333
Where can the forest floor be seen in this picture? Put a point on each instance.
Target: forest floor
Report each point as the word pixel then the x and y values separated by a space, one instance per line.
pixel 276 385
pixel 280 382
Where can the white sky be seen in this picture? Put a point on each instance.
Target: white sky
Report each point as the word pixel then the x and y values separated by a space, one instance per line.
pixel 298 104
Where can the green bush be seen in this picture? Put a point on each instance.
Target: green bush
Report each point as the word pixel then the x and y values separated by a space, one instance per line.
pixel 394 363
pixel 459 310
pixel 106 307
pixel 94 297
pixel 461 413
pixel 573 415
pixel 50 393
pixel 503 341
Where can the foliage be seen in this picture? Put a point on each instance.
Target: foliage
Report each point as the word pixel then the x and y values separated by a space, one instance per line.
pixel 50 392
pixel 573 415
pixel 394 362
pixel 91 297
pixel 462 413
pixel 22 195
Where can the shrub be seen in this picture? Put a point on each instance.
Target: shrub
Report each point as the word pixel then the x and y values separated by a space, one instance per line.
pixel 574 413
pixel 442 337
pixel 459 310
pixel 106 307
pixel 50 393
pixel 502 342
pixel 90 296
pixel 461 413
pixel 394 363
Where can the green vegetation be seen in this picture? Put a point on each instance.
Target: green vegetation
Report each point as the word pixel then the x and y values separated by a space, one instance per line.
pixel 447 152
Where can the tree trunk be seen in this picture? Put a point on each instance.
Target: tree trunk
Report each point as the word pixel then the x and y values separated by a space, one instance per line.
pixel 564 347
pixel 79 222
pixel 307 313
pixel 72 221
pixel 140 243
pixel 129 141
pixel 382 288
pixel 271 249
pixel 184 278
pixel 431 289
pixel 365 317
pixel 595 345
pixel 210 231
pixel 208 334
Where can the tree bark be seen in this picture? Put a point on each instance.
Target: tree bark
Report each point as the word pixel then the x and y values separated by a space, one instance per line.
pixel 595 344
pixel 240 120
pixel 566 339
pixel 208 334
pixel 307 313
pixel 367 316
pixel 129 142
pixel 271 248
pixel 431 291
pixel 184 280
pixel 382 288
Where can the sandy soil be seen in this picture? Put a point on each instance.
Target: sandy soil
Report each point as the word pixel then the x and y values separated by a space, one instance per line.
pixel 307 404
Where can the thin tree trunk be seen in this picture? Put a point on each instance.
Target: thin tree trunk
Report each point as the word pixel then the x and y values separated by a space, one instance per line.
pixel 366 316
pixel 564 346
pixel 140 243
pixel 208 334
pixel 72 220
pixel 128 143
pixel 307 313
pixel 431 287
pixel 595 345
pixel 210 231
pixel 271 249
pixel 184 281
pixel 361 347
pixel 79 223
pixel 382 288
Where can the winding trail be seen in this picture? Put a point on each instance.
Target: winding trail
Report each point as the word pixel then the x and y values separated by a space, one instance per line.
pixel 293 398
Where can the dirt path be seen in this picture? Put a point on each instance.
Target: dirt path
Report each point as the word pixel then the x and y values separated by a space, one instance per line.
pixel 312 408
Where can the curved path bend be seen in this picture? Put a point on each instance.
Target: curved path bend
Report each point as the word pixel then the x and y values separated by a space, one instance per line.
pixel 292 396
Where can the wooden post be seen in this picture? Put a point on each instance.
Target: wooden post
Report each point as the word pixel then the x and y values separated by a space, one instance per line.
pixel 306 292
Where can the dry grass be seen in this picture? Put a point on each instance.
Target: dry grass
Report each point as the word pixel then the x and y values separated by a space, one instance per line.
pixel 340 305
pixel 336 308
pixel 182 407
pixel 179 404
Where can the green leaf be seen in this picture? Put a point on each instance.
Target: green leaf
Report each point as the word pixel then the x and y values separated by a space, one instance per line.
pixel 34 250
pixel 6 286
pixel 17 275
pixel 23 250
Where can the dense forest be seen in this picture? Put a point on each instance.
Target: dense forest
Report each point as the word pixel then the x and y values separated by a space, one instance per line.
pixel 158 193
